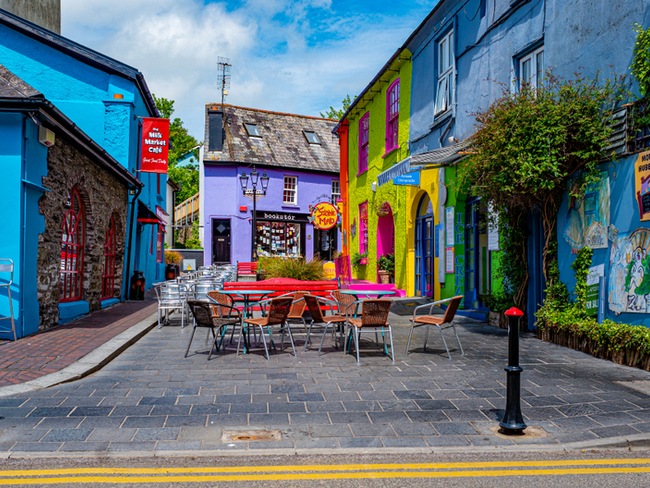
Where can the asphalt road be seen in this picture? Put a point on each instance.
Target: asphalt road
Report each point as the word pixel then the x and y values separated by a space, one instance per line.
pixel 543 469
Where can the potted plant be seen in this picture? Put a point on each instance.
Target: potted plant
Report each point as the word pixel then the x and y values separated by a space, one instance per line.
pixel 386 268
pixel 382 209
pixel 359 259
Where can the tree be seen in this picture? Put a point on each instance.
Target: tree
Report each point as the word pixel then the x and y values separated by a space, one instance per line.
pixel 182 144
pixel 527 146
pixel 332 113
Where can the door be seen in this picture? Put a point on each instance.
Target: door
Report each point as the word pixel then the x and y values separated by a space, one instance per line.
pixel 424 240
pixel 471 237
pixel 220 241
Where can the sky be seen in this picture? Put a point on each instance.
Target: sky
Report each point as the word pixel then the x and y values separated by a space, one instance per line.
pixel 287 56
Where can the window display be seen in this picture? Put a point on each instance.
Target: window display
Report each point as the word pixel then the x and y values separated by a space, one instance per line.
pixel 278 239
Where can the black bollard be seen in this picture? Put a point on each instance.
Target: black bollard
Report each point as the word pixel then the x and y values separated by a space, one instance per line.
pixel 513 421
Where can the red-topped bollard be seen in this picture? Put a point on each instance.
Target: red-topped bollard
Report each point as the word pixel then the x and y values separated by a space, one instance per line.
pixel 513 421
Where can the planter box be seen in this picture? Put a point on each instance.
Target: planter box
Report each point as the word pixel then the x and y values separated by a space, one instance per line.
pixel 363 261
pixel 384 277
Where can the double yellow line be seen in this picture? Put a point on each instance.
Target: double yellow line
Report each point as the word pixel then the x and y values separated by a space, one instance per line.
pixel 331 472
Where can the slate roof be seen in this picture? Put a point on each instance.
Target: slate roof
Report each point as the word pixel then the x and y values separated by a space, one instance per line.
pixel 13 87
pixel 282 143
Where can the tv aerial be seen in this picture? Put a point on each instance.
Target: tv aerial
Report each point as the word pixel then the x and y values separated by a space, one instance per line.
pixel 223 77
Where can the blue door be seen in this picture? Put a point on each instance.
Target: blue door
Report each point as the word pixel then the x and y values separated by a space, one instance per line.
pixel 424 241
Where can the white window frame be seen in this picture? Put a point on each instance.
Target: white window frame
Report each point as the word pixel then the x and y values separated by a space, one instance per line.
pixel 293 190
pixel 535 70
pixel 445 71
pixel 336 195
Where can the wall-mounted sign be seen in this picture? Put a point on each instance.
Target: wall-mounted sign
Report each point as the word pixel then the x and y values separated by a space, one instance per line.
pixel 162 215
pixel 324 216
pixel 155 145
pixel 449 225
pixel 642 184
pixel 449 259
pixel 593 288
pixel 281 216
pixel 412 179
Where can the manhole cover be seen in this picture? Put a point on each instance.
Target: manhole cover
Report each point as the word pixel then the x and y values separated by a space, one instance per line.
pixel 251 435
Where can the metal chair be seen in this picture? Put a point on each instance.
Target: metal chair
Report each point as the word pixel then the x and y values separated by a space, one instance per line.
pixel 223 308
pixel 7 266
pixel 374 319
pixel 170 298
pixel 443 322
pixel 202 312
pixel 343 300
pixel 278 310
pixel 317 318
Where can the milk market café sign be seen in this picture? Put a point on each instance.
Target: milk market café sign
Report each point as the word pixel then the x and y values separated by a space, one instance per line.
pixel 154 147
pixel 324 215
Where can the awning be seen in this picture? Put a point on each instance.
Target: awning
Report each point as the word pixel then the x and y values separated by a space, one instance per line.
pixel 146 215
pixel 399 169
pixel 444 156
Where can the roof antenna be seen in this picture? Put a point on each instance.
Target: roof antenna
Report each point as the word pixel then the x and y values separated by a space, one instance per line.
pixel 223 78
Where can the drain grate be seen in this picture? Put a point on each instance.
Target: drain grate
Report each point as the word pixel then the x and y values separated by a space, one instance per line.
pixel 251 435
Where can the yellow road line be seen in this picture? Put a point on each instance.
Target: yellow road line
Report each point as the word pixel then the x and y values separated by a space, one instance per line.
pixel 320 476
pixel 326 467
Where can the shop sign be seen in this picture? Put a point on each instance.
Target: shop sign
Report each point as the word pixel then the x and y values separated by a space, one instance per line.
pixel 154 145
pixel 162 215
pixel 411 179
pixel 281 216
pixel 324 215
pixel 642 184
pixel 593 288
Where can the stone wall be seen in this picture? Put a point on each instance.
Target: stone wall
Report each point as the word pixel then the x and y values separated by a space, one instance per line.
pixel 103 195
pixel 46 13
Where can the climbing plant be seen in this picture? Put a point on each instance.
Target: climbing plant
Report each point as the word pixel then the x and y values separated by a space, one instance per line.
pixel 527 145
pixel 641 60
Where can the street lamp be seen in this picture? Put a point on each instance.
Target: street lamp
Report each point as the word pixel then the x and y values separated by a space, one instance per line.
pixel 264 181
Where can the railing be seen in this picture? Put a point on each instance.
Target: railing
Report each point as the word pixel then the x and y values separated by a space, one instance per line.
pixel 187 211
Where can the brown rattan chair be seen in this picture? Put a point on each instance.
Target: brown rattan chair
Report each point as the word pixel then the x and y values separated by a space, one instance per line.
pixel 278 310
pixel 342 300
pixel 223 307
pixel 443 322
pixel 202 313
pixel 374 319
pixel 317 318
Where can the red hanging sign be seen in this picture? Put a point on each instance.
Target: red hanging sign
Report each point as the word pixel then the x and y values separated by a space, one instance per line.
pixel 155 145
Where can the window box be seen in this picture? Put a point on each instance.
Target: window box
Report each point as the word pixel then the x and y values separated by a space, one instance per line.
pixel 363 261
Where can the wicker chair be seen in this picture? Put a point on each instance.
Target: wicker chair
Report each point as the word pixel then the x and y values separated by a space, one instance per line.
pixel 443 322
pixel 223 308
pixel 278 311
pixel 317 318
pixel 201 310
pixel 374 319
pixel 343 300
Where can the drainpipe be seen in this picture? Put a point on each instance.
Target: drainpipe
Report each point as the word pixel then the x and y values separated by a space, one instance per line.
pixel 447 127
pixel 130 243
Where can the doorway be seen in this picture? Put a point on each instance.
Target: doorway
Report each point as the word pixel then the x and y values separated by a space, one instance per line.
pixel 477 262
pixel 220 241
pixel 424 240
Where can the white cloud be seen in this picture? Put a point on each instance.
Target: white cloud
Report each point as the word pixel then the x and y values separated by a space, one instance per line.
pixel 276 65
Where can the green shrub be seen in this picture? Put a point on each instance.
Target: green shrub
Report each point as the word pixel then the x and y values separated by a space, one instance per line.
pixel 296 268
pixel 173 257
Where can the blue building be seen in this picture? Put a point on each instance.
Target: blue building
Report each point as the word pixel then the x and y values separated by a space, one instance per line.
pixel 105 101
pixel 463 55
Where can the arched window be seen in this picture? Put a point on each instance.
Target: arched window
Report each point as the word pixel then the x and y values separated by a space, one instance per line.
pixel 108 277
pixel 73 240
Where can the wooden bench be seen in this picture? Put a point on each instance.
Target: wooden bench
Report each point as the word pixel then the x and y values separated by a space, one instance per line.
pixel 246 271
pixel 282 286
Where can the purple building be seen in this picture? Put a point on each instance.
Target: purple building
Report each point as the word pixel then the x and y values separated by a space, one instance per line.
pixel 300 156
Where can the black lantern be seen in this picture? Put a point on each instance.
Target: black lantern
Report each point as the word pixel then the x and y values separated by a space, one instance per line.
pixel 243 179
pixel 254 176
pixel 265 182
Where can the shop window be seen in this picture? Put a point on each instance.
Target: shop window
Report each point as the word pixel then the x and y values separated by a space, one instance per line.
pixel 336 190
pixel 364 142
pixel 290 194
pixel 278 239
pixel 108 276
pixel 392 116
pixel 160 249
pixel 73 237
pixel 363 228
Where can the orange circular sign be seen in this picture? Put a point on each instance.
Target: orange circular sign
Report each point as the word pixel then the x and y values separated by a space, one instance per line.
pixel 325 216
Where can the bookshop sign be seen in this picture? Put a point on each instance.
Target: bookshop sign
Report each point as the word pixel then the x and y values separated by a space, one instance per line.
pixel 281 216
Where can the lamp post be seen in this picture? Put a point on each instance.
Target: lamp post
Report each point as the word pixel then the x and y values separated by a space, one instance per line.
pixel 264 181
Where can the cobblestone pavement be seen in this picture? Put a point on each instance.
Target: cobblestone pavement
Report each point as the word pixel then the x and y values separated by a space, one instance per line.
pixel 52 350
pixel 150 398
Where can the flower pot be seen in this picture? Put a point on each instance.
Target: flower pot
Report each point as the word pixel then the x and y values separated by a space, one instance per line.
pixel 384 277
